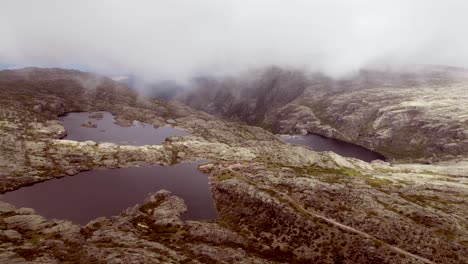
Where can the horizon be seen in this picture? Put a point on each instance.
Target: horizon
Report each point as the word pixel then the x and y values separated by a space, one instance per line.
pixel 181 39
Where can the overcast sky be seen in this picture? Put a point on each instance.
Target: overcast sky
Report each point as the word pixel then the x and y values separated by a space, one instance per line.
pixel 175 39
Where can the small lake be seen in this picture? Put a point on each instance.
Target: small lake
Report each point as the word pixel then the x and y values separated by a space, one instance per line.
pixel 100 127
pixel 106 192
pixel 320 143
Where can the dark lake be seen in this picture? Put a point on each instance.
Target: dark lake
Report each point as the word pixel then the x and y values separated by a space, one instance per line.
pixel 100 127
pixel 320 143
pixel 106 192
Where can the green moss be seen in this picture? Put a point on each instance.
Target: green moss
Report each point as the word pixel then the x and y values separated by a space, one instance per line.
pixel 229 174
pixel 378 243
pixel 316 171
pixel 32 236
pixel 74 147
pixel 334 179
pixel 431 173
pixel 225 176
pixel 387 206
pixel 278 196
pixel 27 254
pixel 423 200
pixel 450 235
pixel 378 183
pixel 447 179
pixel 3 125
pixel 35 237
pixel 333 176
pixel 372 213
pixel 352 172
pixel 330 175
pixel 417 199
pixel 382 170
pixel 404 182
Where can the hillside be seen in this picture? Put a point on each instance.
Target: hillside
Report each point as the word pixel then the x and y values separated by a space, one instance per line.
pixel 277 203
pixel 415 114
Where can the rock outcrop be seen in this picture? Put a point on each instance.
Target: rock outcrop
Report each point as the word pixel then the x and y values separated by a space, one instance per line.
pixel 417 114
pixel 277 203
pixel 422 124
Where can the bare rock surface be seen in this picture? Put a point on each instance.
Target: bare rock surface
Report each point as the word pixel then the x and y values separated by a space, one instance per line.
pixel 414 114
pixel 412 124
pixel 277 203
pixel 26 222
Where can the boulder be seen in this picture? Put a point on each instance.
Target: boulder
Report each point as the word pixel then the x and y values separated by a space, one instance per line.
pixel 27 222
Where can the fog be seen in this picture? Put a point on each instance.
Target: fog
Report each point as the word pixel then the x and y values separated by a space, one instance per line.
pixel 177 39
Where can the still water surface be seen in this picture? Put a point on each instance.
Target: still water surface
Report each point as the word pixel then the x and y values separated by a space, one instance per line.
pixel 106 192
pixel 105 130
pixel 320 143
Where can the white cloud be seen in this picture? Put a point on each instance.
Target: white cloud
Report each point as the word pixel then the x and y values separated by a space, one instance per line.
pixel 177 38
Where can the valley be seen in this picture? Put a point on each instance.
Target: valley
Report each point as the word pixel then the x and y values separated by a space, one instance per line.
pixel 276 202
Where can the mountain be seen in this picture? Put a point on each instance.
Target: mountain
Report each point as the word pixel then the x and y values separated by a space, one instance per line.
pixel 416 113
pixel 164 90
pixel 277 202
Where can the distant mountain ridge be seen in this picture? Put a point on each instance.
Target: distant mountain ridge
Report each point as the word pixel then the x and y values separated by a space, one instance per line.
pixel 383 109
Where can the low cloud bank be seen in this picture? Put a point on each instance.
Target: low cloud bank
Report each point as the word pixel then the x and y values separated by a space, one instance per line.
pixel 179 39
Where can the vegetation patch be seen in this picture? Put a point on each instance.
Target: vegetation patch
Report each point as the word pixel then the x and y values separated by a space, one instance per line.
pixel 27 253
pixel 387 206
pixel 230 174
pixel 378 182
pixel 447 179
pixel 450 235
pixel 334 179
pixel 424 200
pixel 383 170
pixel 317 171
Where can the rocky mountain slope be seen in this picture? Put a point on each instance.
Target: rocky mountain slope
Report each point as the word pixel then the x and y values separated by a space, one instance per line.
pixel 416 114
pixel 277 203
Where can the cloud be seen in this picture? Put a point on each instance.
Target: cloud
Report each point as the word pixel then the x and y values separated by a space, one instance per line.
pixel 175 39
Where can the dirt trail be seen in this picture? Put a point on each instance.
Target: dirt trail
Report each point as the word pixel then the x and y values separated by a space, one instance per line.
pixel 351 229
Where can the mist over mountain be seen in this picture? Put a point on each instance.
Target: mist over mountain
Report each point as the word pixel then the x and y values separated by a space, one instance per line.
pixel 227 131
pixel 177 40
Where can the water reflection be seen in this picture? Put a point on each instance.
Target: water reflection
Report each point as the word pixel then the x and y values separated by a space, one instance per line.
pixel 106 192
pixel 320 143
pixel 100 127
